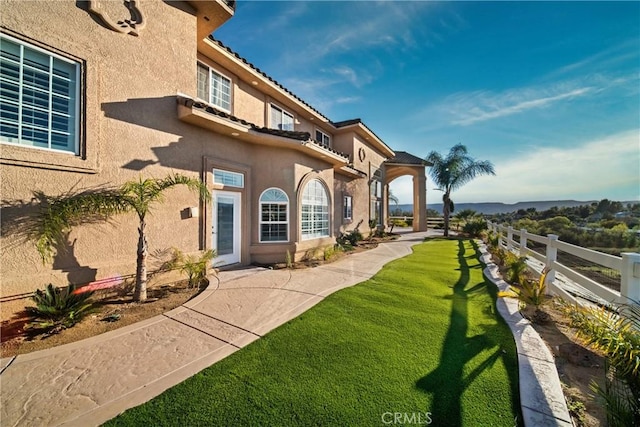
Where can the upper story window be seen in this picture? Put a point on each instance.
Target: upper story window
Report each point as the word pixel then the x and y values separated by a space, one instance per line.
pixel 274 216
pixel 315 211
pixel 214 88
pixel 323 138
pixel 39 97
pixel 280 119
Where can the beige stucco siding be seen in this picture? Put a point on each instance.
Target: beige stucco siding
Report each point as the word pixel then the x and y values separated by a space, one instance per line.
pixel 129 128
pixel 132 127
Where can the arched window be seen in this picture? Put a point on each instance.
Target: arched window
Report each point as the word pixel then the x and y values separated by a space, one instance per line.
pixel 274 216
pixel 315 211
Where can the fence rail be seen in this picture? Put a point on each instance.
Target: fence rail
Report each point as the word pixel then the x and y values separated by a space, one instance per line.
pixel 432 222
pixel 574 270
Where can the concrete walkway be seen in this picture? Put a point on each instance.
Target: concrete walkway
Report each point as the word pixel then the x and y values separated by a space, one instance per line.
pixel 91 381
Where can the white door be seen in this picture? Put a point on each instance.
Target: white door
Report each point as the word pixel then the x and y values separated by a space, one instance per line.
pixel 226 227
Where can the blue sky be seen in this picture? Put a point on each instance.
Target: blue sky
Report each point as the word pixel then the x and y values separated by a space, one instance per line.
pixel 547 91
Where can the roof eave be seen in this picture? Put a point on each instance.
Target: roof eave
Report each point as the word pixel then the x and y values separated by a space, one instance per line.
pixel 254 76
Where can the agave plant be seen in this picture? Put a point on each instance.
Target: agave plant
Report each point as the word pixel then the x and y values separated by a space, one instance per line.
pixel 531 293
pixel 58 308
pixel 617 335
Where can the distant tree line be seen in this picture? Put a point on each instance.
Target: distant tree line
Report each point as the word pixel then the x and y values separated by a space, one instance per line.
pixel 606 225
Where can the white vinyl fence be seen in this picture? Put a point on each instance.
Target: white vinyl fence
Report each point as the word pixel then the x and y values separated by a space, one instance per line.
pixel 620 282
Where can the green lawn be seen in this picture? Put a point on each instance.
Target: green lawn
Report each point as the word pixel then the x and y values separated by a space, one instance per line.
pixel 422 336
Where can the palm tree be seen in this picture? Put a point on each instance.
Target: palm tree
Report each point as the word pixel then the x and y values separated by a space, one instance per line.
pixel 62 213
pixel 452 172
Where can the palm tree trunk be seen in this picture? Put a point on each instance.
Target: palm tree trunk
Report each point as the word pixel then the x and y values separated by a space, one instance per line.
pixel 446 212
pixel 140 293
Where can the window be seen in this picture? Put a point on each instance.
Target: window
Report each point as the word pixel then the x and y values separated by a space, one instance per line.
pixel 228 179
pixel 214 88
pixel 274 216
pixel 315 211
pixel 39 97
pixel 347 208
pixel 375 191
pixel 280 119
pixel 323 138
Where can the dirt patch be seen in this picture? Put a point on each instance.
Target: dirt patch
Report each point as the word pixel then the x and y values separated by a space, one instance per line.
pixel 112 312
pixel 577 365
pixel 577 368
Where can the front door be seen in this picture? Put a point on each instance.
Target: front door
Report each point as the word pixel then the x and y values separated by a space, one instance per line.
pixel 226 228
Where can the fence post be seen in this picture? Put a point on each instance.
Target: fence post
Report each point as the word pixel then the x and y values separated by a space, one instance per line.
pixel 509 238
pixel 552 255
pixel 630 276
pixel 523 242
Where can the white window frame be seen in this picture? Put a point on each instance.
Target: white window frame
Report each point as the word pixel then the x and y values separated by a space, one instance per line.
pixel 315 204
pixel 276 202
pixel 218 101
pixel 228 178
pixel 323 138
pixel 73 96
pixel 280 124
pixel 347 208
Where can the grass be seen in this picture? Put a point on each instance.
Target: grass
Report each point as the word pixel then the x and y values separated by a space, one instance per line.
pixel 422 336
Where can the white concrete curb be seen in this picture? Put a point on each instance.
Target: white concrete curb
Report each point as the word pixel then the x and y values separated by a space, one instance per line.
pixel 541 396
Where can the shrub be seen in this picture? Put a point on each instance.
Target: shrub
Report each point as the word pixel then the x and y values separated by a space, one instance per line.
pixel 617 335
pixel 194 267
pixel 474 227
pixel 329 252
pixel 350 237
pixel 516 268
pixel 58 308
pixel 493 240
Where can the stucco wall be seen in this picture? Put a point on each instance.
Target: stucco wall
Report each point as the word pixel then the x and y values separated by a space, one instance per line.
pixel 129 126
pixel 131 129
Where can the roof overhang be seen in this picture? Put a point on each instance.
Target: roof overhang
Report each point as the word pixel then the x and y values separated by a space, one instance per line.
pixel 192 112
pixel 371 138
pixel 246 72
pixel 211 15
pixel 350 171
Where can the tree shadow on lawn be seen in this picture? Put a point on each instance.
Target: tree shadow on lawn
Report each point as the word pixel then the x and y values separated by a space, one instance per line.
pixel 447 382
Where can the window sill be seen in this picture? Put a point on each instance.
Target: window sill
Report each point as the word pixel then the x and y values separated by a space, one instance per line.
pixel 44 159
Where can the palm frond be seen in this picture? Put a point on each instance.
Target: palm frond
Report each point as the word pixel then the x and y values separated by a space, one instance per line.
pixel 59 214
pixel 457 168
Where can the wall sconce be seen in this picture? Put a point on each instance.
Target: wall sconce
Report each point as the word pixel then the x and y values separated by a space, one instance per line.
pixel 193 212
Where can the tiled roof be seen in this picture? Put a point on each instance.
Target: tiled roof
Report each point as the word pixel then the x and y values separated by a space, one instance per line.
pixel 263 74
pixel 404 158
pixel 346 123
pixel 296 135
pixel 275 82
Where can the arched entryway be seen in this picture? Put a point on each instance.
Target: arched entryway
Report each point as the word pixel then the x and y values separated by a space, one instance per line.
pixel 403 164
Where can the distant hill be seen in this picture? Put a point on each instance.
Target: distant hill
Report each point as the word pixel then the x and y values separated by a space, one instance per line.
pixel 495 208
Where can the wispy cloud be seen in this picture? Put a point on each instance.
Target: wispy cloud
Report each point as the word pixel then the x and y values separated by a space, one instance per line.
pixel 483 106
pixel 608 167
pixel 468 108
pixel 356 78
pixel 608 58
